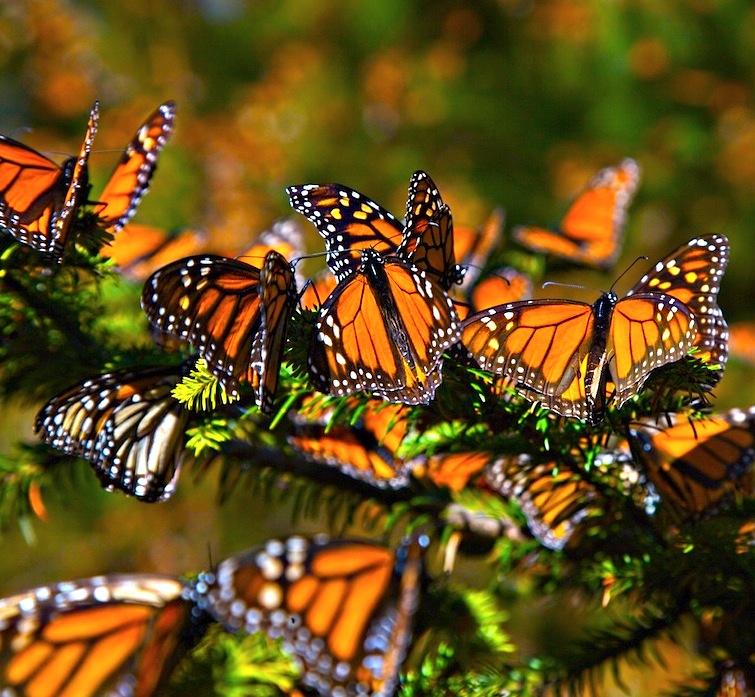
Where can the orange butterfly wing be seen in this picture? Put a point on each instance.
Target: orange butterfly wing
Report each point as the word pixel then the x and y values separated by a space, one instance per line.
pixel 692 273
pixel 349 221
pixel 105 635
pixel 473 246
pixel 127 424
pixel 383 330
pixel 591 230
pixel 501 286
pixel 343 607
pixel 428 240
pixel 38 199
pixel 131 178
pixel 554 498
pixel 278 300
pixel 317 290
pixel 696 466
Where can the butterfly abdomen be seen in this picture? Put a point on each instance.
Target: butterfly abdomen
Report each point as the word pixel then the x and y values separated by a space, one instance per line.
pixel 597 359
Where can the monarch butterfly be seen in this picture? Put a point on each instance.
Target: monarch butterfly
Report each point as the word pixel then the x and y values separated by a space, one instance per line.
pixel 499 287
pixel 554 497
pixel 38 198
pixel 234 314
pixel 562 353
pixel 384 329
pixel 366 450
pixel 130 180
pixel 127 424
pixel 145 249
pixel 116 635
pixel 695 466
pixel 349 221
pixel 343 607
pixel 592 228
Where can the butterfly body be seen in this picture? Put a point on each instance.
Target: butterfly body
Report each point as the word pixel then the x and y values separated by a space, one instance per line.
pixel 384 329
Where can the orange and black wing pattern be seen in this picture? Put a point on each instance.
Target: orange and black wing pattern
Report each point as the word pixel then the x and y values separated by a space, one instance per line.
pixel 126 424
pixel 131 178
pixel 592 229
pixel 564 353
pixel 554 498
pixel 428 240
pixel 383 329
pixel 697 466
pixel 692 274
pixel 343 607
pixel 278 301
pixel 39 199
pixel 365 449
pixel 349 221
pixel 144 249
pixel 213 303
pixel 107 635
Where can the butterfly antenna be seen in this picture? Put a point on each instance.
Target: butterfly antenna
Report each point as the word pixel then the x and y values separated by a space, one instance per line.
pixel 625 271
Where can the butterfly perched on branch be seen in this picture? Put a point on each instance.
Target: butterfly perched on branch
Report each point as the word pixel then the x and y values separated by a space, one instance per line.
pixel 234 314
pixel 40 200
pixel 573 357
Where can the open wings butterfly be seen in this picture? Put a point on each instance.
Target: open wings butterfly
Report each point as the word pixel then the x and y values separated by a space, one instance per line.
pixel 39 199
pixel 591 230
pixel 342 607
pixel 127 424
pixel 107 635
pixel 383 329
pixel 563 353
pixel 234 314
pixel 696 466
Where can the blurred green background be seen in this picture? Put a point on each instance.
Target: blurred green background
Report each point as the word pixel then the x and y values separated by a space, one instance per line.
pixel 512 103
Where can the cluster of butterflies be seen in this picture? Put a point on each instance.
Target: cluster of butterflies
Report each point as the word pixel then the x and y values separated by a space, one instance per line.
pixel 395 299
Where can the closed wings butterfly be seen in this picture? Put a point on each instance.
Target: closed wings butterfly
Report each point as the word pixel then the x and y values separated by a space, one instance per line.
pixel 563 353
pixel 592 228
pixel 344 608
pixel 39 199
pixel 428 240
pixel 697 465
pixel 473 246
pixel 127 424
pixel 234 314
pixel 383 329
pixel 108 635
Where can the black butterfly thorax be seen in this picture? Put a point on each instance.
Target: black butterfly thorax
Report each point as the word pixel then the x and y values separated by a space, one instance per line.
pixel 373 268
pixel 595 395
